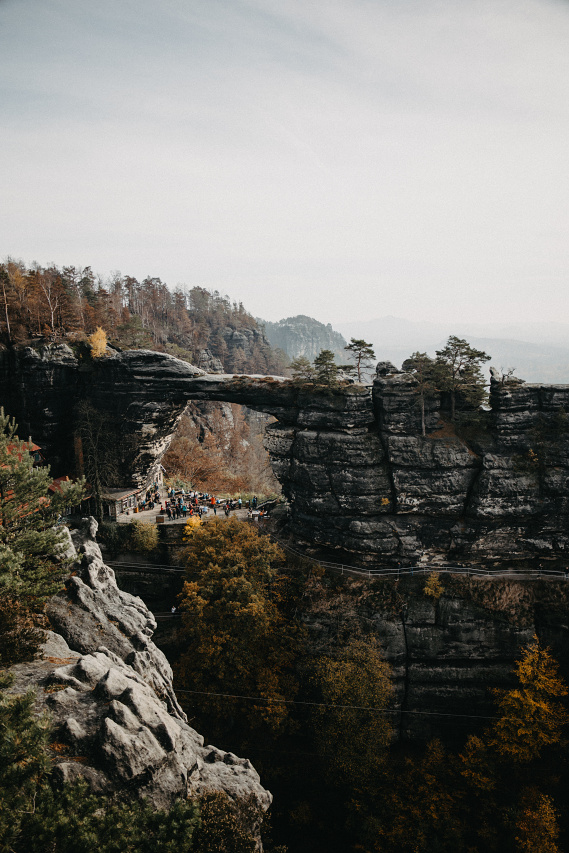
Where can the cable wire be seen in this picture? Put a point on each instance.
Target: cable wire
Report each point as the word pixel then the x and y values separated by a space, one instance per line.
pixel 338 707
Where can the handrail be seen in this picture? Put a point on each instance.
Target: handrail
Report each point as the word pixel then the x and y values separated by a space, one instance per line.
pixel 376 572
pixel 424 568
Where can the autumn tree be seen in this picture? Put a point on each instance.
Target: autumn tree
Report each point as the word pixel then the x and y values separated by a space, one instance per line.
pixel 224 452
pixel 510 771
pixel 536 828
pixel 98 342
pixel 362 354
pixel 457 371
pixel 352 728
pixel 531 716
pixel 418 810
pixel 236 640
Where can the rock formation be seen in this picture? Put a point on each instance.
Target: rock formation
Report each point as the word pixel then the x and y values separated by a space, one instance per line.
pixel 302 335
pixel 108 689
pixel 364 485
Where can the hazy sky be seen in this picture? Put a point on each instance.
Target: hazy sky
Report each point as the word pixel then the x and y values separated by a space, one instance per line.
pixel 344 159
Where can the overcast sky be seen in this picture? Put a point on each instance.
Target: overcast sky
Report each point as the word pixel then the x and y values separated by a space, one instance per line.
pixel 345 159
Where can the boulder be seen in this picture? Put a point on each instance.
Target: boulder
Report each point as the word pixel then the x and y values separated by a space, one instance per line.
pixel 108 688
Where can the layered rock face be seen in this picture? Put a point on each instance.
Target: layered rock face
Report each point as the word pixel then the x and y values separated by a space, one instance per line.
pixel 446 654
pixel 364 485
pixel 305 336
pixel 108 689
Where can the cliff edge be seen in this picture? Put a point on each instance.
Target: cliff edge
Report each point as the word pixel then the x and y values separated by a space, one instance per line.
pixel 108 689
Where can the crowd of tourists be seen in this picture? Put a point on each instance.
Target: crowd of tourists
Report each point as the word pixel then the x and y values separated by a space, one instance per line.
pixel 180 504
pixel 177 504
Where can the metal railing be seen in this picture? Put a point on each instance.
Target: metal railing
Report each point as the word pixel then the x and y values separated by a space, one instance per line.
pixel 372 572
pixel 424 568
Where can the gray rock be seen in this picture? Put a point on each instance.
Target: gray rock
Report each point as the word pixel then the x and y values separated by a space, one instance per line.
pixel 342 455
pixel 112 701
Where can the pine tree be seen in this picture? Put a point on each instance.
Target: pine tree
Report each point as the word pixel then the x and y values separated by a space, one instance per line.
pixel 458 372
pixel 326 368
pixel 302 370
pixel 362 354
pixel 423 369
pixel 30 542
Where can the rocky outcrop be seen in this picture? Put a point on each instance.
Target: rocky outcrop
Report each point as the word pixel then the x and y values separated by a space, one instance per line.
pixel 305 336
pixel 108 689
pixel 364 484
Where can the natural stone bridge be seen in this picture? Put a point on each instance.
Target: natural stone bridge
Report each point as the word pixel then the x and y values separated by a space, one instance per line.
pixel 363 484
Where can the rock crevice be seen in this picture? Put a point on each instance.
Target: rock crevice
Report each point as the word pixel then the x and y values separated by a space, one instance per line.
pixel 108 688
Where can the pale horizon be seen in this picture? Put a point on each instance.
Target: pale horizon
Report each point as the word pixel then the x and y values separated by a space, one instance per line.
pixel 344 160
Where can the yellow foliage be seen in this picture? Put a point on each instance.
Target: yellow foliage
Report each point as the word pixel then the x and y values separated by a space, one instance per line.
pixel 536 828
pixel 143 536
pixel 98 342
pixel 236 639
pixel 353 736
pixel 531 714
pixel 433 586
pixel 190 525
pixel 475 766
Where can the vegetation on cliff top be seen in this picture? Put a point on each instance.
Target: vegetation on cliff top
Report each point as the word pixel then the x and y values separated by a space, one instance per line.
pixel 52 304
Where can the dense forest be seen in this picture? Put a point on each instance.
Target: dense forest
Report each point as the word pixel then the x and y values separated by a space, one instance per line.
pixel 48 303
pixel 218 446
pixel 313 707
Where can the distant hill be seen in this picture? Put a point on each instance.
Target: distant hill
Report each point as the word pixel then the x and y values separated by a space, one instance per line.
pixel 539 352
pixel 302 335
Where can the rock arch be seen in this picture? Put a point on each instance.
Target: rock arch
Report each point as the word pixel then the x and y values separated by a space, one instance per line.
pixel 362 482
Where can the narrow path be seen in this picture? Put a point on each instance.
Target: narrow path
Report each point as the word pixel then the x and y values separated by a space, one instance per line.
pixel 357 571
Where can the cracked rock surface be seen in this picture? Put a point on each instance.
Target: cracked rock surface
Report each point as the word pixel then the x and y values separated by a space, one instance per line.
pixel 108 689
pixel 364 485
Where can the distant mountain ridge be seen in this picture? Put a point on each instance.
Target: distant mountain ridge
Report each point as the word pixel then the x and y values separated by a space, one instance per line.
pixel 304 336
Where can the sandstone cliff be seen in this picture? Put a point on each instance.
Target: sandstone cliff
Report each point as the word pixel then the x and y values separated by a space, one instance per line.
pixel 448 653
pixel 364 485
pixel 108 689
